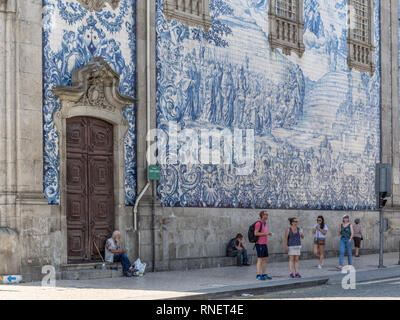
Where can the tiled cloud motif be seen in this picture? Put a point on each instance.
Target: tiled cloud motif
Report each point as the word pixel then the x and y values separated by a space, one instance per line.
pixel 316 123
pixel 72 35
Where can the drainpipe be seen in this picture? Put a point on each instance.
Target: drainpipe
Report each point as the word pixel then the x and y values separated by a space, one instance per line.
pixel 148 125
pixel 153 191
pixel 135 210
pixel 153 220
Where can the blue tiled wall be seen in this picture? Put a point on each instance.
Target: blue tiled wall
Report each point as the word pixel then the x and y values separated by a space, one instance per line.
pixel 71 37
pixel 316 123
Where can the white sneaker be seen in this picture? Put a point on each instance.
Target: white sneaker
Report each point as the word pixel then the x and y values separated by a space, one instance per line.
pixel 319 266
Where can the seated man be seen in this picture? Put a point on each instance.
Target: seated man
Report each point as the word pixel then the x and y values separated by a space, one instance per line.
pixel 237 249
pixel 114 253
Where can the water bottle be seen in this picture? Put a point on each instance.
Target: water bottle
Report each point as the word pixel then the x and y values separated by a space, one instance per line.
pixel 8 279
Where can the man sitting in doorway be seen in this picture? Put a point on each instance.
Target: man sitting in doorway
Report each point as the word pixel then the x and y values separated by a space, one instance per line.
pixel 237 249
pixel 114 253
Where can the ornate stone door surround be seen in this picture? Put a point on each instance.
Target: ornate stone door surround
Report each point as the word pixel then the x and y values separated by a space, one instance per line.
pixel 94 93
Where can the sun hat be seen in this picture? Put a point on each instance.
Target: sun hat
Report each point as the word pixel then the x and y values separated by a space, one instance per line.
pixel 346 215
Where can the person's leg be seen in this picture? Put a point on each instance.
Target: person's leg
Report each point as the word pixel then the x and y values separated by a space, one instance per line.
pixel 245 256
pixel 315 250
pixel 349 252
pixel 356 241
pixel 259 267
pixel 321 255
pixel 259 260
pixel 342 248
pixel 264 266
pixel 239 257
pixel 126 264
pixel 296 264
pixel 291 264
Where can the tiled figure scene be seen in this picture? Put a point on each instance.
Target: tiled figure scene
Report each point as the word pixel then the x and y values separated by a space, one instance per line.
pixel 315 121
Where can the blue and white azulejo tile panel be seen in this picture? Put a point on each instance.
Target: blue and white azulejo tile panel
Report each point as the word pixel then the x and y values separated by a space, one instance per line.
pixel 316 124
pixel 72 35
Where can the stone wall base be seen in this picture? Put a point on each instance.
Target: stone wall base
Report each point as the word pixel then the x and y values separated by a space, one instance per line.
pixel 189 238
pixel 186 238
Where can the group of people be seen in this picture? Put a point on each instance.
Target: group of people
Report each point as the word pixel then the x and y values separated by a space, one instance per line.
pixel 348 233
pixel 292 241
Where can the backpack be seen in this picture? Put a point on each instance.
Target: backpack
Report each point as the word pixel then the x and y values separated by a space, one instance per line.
pixel 251 236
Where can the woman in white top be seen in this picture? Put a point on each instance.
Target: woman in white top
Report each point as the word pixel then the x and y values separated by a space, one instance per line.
pixel 320 230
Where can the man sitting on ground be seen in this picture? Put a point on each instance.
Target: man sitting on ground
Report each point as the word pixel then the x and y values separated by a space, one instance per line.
pixel 114 253
pixel 237 249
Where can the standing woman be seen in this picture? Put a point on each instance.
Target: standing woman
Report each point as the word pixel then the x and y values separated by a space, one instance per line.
pixel 346 233
pixel 320 230
pixel 293 236
pixel 357 236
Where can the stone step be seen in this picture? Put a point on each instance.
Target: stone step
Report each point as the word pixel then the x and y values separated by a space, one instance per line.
pixel 87 266
pixel 88 274
pixel 91 270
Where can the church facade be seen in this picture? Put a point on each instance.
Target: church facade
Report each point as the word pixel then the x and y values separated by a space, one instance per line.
pixel 296 100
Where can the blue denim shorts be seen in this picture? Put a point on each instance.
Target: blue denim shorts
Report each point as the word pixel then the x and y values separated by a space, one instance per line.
pixel 262 250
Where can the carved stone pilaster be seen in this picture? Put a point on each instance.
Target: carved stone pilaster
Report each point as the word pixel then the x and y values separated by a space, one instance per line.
pixel 97 5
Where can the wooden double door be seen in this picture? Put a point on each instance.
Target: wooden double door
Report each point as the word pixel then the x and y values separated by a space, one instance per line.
pixel 90 187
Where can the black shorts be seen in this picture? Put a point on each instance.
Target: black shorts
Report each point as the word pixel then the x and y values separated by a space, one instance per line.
pixel 357 242
pixel 262 250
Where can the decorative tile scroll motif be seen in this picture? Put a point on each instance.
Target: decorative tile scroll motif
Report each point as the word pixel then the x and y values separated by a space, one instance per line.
pixel 73 34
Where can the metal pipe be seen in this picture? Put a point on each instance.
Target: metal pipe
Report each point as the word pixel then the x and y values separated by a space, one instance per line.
pixel 135 208
pixel 148 98
pixel 149 159
pixel 153 229
pixel 381 239
pixel 148 73
pixel 148 122
pixel 380 147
